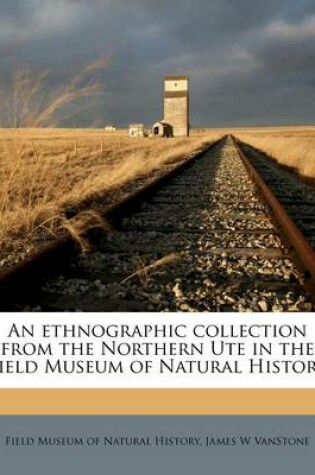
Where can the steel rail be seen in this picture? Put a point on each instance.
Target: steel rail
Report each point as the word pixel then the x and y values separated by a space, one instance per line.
pixel 303 252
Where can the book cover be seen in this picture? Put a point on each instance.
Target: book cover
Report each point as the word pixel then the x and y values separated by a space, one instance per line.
pixel 157 237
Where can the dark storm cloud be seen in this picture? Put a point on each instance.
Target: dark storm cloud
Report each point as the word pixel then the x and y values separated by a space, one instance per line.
pixel 248 61
pixel 287 46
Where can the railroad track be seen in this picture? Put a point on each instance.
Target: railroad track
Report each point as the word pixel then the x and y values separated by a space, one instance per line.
pixel 200 239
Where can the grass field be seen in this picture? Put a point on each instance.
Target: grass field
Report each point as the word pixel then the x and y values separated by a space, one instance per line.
pixel 290 146
pixel 44 170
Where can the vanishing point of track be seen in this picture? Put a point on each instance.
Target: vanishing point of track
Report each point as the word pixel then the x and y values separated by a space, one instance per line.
pixel 203 238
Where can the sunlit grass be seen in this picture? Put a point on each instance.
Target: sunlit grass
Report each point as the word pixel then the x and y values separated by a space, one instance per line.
pixel 44 171
pixel 293 147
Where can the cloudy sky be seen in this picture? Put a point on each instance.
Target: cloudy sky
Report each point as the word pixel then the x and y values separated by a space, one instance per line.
pixel 250 62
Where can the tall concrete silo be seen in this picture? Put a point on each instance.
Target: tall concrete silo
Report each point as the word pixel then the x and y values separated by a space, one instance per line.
pixel 176 104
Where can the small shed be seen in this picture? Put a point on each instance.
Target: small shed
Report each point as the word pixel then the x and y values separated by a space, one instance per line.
pixel 110 128
pixel 162 129
pixel 136 130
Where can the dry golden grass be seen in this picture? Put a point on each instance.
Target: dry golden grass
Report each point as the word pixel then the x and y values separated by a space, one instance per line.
pixel 144 270
pixel 28 101
pixel 44 170
pixel 290 146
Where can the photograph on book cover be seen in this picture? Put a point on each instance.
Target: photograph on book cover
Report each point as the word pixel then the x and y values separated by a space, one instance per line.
pixel 157 236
